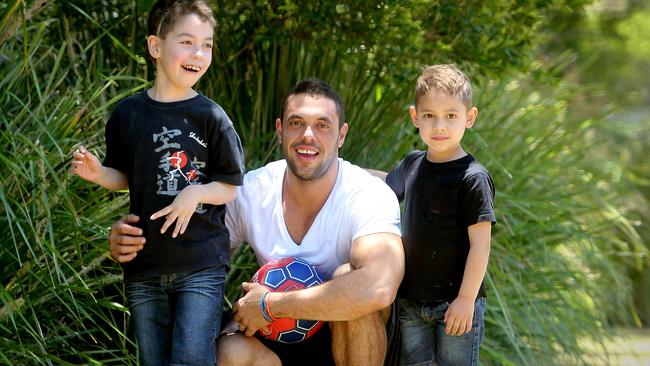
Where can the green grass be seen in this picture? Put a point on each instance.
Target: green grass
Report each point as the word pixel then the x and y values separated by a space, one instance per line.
pixel 561 250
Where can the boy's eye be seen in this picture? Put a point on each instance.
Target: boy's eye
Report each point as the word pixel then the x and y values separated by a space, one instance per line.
pixel 428 115
pixel 208 45
pixel 186 42
pixel 294 123
pixel 323 125
pixel 451 115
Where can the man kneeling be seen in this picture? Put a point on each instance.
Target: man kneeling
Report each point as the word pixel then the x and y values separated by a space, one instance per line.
pixel 320 208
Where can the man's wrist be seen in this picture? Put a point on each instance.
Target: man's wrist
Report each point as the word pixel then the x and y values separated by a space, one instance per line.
pixel 265 308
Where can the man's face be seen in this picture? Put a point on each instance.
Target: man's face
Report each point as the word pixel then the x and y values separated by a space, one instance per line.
pixel 309 135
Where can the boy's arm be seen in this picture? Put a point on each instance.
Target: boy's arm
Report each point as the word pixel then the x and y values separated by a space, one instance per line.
pixel 458 317
pixel 184 205
pixel 87 166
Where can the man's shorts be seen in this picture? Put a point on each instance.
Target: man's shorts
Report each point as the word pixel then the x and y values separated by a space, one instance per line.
pixel 314 351
pixel 317 350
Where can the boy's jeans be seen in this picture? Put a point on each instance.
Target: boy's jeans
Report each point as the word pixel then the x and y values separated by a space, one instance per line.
pixel 175 317
pixel 424 338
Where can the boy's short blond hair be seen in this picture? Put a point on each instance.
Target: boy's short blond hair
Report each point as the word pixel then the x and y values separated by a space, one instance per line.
pixel 446 79
pixel 165 13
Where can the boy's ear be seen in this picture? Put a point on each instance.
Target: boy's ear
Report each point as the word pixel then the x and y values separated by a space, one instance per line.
pixel 414 116
pixel 471 117
pixel 153 44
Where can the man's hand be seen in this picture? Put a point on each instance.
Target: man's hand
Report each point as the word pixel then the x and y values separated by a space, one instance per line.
pixel 180 210
pixel 458 316
pixel 125 240
pixel 247 309
pixel 85 164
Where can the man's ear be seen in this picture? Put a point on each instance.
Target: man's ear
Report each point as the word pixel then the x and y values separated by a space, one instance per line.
pixel 153 44
pixel 278 130
pixel 414 116
pixel 343 131
pixel 471 117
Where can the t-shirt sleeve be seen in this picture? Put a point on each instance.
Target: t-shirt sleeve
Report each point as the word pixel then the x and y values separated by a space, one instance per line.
pixel 233 222
pixel 478 200
pixel 116 149
pixel 374 211
pixel 226 163
pixel 396 179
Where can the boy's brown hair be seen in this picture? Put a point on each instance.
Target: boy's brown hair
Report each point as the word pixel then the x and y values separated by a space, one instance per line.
pixel 164 14
pixel 446 79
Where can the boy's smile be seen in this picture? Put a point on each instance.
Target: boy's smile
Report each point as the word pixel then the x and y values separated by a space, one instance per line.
pixel 182 57
pixel 441 120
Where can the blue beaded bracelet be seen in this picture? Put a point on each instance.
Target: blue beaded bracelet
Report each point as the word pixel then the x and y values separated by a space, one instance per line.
pixel 263 308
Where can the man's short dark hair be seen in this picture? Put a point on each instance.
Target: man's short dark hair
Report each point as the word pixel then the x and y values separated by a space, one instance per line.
pixel 315 87
pixel 164 14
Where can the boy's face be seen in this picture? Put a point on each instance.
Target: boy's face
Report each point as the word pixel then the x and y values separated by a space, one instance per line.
pixel 184 55
pixel 441 120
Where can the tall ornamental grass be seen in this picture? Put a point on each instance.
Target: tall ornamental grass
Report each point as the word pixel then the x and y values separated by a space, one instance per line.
pixel 555 267
pixel 60 296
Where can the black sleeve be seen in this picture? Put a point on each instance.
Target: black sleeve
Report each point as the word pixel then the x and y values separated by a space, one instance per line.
pixel 116 152
pixel 226 162
pixel 478 199
pixel 396 180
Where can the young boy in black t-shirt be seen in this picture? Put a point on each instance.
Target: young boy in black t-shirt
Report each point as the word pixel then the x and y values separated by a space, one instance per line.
pixel 446 227
pixel 178 154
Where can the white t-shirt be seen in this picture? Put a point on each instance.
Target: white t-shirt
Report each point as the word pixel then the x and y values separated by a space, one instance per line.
pixel 359 204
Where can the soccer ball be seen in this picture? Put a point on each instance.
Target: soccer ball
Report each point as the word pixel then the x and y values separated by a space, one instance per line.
pixel 288 274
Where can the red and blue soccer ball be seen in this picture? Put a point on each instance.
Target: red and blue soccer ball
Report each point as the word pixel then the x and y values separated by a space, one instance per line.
pixel 288 274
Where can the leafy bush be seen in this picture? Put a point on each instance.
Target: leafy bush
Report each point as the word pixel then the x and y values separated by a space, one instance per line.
pixel 552 269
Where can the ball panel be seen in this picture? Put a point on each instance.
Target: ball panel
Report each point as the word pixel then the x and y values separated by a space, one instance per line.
pixel 274 278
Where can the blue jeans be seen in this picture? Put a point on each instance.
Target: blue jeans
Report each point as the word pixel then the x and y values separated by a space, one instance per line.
pixel 175 317
pixel 424 339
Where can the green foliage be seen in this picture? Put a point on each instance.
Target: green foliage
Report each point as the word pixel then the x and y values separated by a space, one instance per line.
pixel 555 274
pixel 607 42
pixel 61 299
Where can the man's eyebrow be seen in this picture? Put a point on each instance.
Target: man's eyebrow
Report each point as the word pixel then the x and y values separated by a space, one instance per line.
pixel 298 116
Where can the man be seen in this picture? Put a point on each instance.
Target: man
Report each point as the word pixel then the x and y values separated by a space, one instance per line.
pixel 325 210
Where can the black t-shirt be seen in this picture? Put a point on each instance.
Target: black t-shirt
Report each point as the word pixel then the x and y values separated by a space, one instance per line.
pixel 162 148
pixel 441 201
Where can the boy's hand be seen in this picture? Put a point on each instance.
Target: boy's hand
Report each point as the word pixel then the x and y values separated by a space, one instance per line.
pixel 458 317
pixel 180 210
pixel 85 164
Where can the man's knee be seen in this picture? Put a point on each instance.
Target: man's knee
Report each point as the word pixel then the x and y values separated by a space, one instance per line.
pixel 241 350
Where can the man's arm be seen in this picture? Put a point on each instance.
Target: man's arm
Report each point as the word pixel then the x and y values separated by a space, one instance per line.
pixel 377 262
pixel 125 239
pixel 377 173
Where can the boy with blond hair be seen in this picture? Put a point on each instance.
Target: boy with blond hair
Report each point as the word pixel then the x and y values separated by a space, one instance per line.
pixel 447 222
pixel 179 155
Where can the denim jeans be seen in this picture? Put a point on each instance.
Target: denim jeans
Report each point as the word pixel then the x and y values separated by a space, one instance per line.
pixel 175 317
pixel 424 339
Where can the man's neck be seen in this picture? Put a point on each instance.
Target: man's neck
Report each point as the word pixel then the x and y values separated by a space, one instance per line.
pixel 307 192
pixel 302 200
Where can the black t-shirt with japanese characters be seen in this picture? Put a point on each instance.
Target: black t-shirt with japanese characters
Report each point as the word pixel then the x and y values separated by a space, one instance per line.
pixel 162 148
